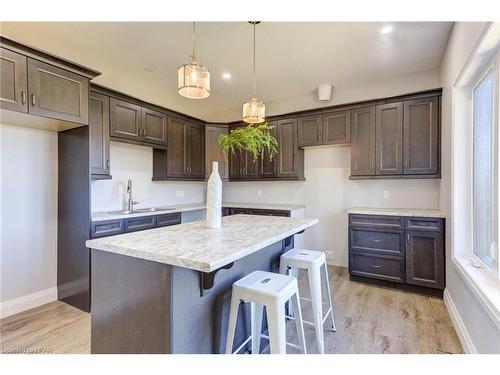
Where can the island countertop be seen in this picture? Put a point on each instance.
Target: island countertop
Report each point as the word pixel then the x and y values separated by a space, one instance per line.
pixel 194 246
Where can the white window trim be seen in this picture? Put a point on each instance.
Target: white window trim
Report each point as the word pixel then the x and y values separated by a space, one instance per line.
pixel 484 283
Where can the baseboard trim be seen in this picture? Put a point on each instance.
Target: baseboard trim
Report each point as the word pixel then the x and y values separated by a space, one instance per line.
pixel 29 301
pixel 458 323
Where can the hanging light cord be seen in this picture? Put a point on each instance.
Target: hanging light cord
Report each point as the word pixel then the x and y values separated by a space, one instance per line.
pixel 254 60
pixel 194 40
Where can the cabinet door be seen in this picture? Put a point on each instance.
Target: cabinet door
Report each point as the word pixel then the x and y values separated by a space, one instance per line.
pixel 251 167
pixel 425 259
pixel 213 152
pixel 363 141
pixel 236 161
pixel 154 126
pixel 13 81
pixel 288 163
pixel 421 136
pixel 57 93
pixel 268 165
pixel 389 135
pixel 176 148
pixel 125 120
pixel 196 151
pixel 99 134
pixel 337 127
pixel 309 131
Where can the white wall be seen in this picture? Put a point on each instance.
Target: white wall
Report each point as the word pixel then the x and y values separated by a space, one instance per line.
pixel 136 162
pixel 475 324
pixel 28 251
pixel 327 193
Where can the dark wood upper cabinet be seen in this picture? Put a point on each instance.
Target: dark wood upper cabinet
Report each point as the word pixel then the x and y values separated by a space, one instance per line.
pixel 99 135
pixel 154 126
pixel 290 158
pixel 57 93
pixel 309 131
pixel 425 258
pixel 363 141
pixel 176 148
pixel 14 81
pixel 126 120
pixel 196 150
pixel 243 166
pixel 268 165
pixel 389 139
pixel 336 127
pixel 421 136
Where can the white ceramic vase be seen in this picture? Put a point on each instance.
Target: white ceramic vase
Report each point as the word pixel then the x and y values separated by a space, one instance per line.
pixel 214 198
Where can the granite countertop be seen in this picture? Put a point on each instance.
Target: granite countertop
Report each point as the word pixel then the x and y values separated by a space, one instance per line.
pixel 194 246
pixel 102 216
pixel 264 206
pixel 416 212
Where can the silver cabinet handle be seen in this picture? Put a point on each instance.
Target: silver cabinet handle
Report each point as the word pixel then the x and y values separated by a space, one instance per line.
pixel 107 164
pixel 33 99
pixel 23 97
pixel 375 266
pixel 376 241
pixel 408 238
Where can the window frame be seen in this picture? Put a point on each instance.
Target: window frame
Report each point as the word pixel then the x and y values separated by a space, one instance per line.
pixel 491 66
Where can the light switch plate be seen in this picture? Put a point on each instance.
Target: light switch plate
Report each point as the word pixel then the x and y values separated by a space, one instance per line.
pixel 387 194
pixel 179 193
pixel 259 193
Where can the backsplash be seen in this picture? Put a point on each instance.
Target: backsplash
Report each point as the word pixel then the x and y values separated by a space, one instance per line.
pixel 136 163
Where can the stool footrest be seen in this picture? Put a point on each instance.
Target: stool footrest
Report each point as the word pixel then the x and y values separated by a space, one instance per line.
pixel 287 343
pixel 242 345
pixel 311 323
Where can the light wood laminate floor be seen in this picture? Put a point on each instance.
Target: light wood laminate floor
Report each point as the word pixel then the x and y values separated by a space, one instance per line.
pixel 369 319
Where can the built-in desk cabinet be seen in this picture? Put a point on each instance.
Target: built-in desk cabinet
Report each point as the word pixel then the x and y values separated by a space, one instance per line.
pixel 404 251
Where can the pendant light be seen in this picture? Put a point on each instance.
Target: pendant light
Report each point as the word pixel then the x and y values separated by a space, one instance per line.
pixel 254 109
pixel 193 79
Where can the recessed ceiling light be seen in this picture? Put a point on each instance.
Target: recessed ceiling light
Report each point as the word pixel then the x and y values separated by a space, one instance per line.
pixel 386 29
pixel 226 75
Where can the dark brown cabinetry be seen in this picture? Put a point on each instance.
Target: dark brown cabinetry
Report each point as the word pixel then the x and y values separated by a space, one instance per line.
pixel 401 141
pixel 99 136
pixel 421 136
pixel 406 251
pixel 185 155
pixel 363 141
pixel 329 128
pixel 287 164
pixel 389 139
pixel 213 152
pixel 141 125
pixel 14 78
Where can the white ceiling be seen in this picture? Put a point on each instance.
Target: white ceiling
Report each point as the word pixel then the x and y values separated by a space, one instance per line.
pixel 292 57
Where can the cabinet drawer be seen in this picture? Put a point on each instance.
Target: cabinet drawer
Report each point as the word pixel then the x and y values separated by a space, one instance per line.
pixel 388 241
pixel 424 223
pixel 140 223
pixel 106 228
pixel 270 212
pixel 239 211
pixel 378 221
pixel 168 219
pixel 378 267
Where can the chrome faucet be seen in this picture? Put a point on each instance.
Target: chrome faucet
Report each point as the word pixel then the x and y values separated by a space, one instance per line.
pixel 130 200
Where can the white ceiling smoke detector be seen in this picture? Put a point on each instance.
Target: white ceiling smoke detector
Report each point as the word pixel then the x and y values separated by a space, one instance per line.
pixel 325 92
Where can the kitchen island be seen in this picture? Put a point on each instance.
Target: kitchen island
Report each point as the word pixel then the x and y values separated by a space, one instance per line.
pixel 167 290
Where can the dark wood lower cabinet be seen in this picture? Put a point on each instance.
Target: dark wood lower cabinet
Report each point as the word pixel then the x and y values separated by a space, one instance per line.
pixel 403 252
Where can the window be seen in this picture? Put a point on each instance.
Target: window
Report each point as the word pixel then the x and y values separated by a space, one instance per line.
pixel 483 186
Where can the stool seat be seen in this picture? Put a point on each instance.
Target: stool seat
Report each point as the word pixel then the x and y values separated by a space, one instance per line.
pixel 301 258
pixel 270 291
pixel 261 286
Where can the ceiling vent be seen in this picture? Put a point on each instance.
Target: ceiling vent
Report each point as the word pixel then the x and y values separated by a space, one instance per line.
pixel 325 92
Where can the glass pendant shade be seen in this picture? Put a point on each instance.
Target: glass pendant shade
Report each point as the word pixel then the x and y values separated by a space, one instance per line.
pixel 254 111
pixel 193 80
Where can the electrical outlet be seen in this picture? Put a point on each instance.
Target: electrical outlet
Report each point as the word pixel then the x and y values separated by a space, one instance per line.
pixel 179 193
pixel 259 193
pixel 387 194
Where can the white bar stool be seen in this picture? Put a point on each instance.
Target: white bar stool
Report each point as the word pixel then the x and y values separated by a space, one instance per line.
pixel 271 290
pixel 315 264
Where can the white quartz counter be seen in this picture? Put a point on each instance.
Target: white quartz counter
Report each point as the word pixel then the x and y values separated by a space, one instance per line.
pixel 416 212
pixel 102 216
pixel 194 246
